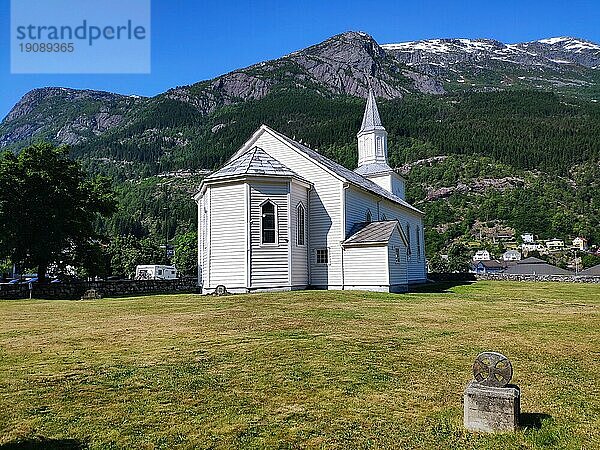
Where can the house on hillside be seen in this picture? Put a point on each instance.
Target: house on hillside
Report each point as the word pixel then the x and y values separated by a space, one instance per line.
pixel 580 243
pixel 535 266
pixel 555 244
pixel 528 238
pixel 511 255
pixel 481 255
pixel 491 266
pixel 280 216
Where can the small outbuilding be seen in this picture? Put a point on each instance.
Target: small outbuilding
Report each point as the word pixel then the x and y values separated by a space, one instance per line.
pixel 375 257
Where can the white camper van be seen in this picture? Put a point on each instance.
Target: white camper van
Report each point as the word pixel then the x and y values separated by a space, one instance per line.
pixel 155 272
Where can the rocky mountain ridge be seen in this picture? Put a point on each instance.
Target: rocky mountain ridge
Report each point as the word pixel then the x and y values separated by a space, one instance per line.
pixel 338 66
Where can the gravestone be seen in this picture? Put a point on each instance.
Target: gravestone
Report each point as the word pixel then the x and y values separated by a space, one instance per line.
pixel 490 403
pixel 91 294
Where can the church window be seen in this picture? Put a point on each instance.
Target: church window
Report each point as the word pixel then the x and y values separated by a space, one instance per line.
pixel 369 217
pixel 409 249
pixel 322 255
pixel 301 228
pixel 397 254
pixel 268 223
pixel 418 236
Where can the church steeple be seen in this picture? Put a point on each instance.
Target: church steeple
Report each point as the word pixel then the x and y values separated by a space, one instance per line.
pixel 373 150
pixel 372 137
pixel 371 119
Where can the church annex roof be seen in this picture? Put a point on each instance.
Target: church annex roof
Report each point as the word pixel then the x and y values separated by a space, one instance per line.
pixel 346 174
pixel 254 162
pixel 371 232
pixel 371 119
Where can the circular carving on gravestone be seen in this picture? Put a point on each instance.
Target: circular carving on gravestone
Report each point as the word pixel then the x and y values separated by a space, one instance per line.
pixel 492 369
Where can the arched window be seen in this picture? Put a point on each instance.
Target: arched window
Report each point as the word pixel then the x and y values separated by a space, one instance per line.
pixel 301 226
pixel 268 223
pixel 418 236
pixel 369 217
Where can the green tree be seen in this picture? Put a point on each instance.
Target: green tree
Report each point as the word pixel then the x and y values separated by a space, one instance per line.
pixel 589 260
pixel 459 258
pixel 186 253
pixel 48 205
pixel 126 252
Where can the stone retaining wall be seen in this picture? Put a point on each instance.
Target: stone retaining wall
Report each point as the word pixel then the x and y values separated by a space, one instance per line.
pixel 71 291
pixel 558 278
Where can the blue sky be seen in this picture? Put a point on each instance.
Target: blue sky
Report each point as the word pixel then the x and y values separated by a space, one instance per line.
pixel 198 40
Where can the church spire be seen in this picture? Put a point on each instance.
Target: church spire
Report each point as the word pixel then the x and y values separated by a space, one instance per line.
pixel 371 119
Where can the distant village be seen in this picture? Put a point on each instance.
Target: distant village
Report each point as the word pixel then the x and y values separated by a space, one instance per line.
pixel 532 255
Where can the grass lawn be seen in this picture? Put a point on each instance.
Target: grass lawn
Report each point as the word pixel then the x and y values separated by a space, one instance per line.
pixel 297 370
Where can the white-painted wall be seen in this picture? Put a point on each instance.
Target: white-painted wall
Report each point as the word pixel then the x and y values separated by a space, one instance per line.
pixel 398 269
pixel 299 194
pixel 366 268
pixel 226 253
pixel 269 262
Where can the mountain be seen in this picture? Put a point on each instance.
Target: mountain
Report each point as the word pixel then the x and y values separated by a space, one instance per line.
pixel 486 132
pixel 337 66
pixel 562 63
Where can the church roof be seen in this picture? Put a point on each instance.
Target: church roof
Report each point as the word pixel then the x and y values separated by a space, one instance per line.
pixel 371 119
pixel 253 162
pixel 346 174
pixel 371 232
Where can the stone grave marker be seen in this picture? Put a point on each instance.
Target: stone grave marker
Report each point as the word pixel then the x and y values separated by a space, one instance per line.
pixel 490 403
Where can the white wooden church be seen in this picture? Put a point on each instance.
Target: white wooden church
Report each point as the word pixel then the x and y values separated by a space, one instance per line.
pixel 280 216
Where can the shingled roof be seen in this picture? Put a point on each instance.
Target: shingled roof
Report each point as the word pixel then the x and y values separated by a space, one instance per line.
pixel 254 162
pixel 346 174
pixel 371 233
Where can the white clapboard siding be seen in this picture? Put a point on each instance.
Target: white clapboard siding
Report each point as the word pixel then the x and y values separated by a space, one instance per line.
pixel 227 228
pixel 299 195
pixel 269 262
pixel 201 239
pixel 416 261
pixel 366 268
pixel 398 269
pixel 325 220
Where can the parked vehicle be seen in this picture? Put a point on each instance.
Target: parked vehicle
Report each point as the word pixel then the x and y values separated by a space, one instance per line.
pixel 155 272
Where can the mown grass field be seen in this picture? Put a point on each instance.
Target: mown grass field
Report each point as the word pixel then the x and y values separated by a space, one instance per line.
pixel 297 370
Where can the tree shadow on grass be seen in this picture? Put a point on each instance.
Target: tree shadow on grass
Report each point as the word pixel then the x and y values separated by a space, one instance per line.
pixel 43 443
pixel 437 287
pixel 533 420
